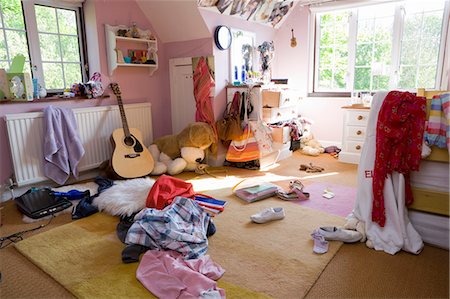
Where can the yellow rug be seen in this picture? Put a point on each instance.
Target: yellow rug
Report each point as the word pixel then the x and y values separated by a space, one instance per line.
pixel 268 260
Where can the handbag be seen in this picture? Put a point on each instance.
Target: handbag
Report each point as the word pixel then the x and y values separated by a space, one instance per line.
pixel 243 149
pixel 229 127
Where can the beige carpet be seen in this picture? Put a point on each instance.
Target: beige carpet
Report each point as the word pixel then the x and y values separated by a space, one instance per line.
pixel 354 272
pixel 275 259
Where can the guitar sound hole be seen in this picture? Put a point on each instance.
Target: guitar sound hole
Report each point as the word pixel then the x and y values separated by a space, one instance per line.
pixel 129 141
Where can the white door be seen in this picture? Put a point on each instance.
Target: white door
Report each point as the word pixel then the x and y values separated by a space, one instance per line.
pixel 181 93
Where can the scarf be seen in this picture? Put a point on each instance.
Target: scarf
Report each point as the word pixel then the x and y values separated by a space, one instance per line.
pixel 399 136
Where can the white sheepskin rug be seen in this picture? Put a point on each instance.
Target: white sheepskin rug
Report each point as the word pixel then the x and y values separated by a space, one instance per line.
pixel 125 197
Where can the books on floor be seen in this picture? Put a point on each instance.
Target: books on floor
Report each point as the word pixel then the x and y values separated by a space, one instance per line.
pixel 257 192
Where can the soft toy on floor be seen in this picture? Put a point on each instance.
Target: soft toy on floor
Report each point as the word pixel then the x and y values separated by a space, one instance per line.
pixel 174 154
pixel 309 145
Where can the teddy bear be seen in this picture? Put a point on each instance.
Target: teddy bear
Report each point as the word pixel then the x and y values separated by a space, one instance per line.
pixel 309 145
pixel 185 151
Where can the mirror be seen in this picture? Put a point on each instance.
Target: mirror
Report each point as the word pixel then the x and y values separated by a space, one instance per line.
pixel 242 55
pixel 222 37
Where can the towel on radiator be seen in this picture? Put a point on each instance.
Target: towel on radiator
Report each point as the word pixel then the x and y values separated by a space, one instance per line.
pixel 63 149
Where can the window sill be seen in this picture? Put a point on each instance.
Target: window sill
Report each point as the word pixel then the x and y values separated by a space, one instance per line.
pixel 329 95
pixel 53 99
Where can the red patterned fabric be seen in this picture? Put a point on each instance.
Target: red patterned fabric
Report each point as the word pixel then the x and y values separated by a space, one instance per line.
pixel 400 130
pixel 203 82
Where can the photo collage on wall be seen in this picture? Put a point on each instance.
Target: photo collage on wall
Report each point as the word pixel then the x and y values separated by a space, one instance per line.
pixel 261 11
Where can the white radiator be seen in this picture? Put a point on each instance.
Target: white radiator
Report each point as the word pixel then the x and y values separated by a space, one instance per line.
pixel 95 125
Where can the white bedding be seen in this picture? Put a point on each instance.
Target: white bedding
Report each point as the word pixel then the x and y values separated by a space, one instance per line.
pixel 432 175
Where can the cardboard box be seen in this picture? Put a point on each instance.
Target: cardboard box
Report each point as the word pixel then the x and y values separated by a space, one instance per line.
pixel 20 86
pixel 4 86
pixel 281 134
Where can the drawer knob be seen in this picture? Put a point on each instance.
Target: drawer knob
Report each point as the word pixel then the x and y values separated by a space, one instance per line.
pixel 358 132
pixel 360 117
pixel 278 114
pixel 286 100
pixel 358 147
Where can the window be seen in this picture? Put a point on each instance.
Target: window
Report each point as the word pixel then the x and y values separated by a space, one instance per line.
pixel 51 43
pixel 242 56
pixel 380 47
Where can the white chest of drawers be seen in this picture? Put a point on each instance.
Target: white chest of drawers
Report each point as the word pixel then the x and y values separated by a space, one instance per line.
pixel 354 133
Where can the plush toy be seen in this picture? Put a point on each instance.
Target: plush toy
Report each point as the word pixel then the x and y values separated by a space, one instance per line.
pixel 309 145
pixel 174 154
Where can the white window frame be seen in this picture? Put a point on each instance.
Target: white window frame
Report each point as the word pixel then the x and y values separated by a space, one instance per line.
pixel 233 56
pixel 396 47
pixel 33 36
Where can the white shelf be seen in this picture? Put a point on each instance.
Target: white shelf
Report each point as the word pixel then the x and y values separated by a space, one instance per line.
pixel 111 44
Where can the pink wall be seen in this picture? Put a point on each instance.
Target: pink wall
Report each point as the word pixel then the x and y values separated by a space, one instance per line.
pixel 221 58
pixel 192 48
pixel 135 83
pixel 292 63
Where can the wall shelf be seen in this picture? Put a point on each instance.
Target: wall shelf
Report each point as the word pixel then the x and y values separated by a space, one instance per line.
pixel 112 41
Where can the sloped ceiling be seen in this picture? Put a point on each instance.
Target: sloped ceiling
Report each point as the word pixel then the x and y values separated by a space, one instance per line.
pixel 175 21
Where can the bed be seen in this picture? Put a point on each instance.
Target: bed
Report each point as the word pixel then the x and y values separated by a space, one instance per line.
pixel 429 212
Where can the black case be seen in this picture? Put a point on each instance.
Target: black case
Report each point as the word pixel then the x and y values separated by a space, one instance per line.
pixel 38 203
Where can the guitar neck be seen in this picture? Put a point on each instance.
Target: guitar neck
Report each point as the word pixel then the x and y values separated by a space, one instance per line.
pixel 126 129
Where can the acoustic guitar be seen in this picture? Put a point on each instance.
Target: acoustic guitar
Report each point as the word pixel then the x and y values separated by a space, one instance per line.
pixel 130 158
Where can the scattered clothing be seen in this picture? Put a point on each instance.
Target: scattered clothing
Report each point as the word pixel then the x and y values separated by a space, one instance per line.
pixel 438 128
pixel 399 135
pixel 63 149
pixel 85 206
pixel 268 214
pixel 311 168
pixel 398 232
pixel 166 274
pixel 333 151
pixel 182 226
pixel 165 189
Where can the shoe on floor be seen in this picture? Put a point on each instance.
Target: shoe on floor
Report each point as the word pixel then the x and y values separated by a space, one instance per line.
pixel 333 233
pixel 320 244
pixel 267 215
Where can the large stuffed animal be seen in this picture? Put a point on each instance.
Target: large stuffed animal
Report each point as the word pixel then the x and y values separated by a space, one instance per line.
pixel 185 151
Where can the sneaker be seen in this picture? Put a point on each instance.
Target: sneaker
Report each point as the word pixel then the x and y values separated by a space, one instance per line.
pixel 333 233
pixel 267 215
pixel 320 244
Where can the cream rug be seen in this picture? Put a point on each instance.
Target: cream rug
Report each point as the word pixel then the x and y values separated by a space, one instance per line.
pixel 273 259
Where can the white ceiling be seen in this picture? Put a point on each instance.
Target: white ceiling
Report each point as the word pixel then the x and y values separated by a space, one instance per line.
pixel 175 20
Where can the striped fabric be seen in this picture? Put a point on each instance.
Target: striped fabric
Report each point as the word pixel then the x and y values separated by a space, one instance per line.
pixel 203 82
pixel 181 227
pixel 438 129
pixel 243 149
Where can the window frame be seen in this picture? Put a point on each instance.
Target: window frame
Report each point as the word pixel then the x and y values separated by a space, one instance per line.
pixel 28 8
pixel 398 24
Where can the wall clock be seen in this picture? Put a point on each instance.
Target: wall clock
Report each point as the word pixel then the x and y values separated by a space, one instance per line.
pixel 222 37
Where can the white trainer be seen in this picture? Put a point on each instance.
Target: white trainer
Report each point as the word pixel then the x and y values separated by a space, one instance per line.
pixel 267 215
pixel 332 233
